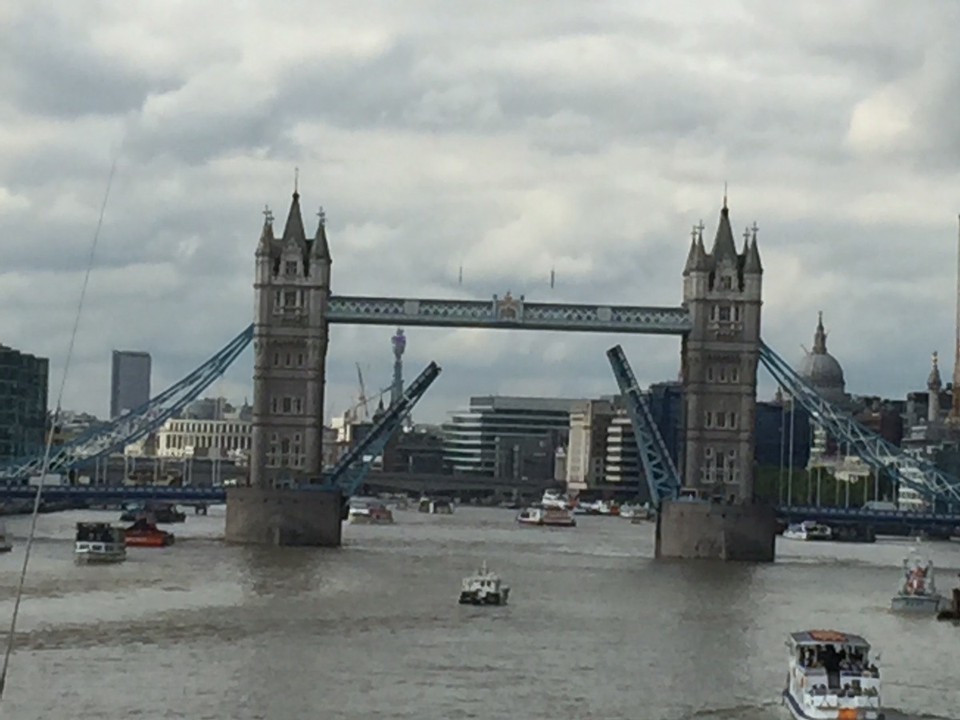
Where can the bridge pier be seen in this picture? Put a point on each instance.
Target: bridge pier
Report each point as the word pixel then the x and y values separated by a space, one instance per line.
pixel 704 530
pixel 283 517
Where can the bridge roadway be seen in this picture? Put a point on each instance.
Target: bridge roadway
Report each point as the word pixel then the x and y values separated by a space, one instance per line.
pixel 375 482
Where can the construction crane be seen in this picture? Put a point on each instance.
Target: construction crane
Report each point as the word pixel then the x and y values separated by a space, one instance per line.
pixel 362 405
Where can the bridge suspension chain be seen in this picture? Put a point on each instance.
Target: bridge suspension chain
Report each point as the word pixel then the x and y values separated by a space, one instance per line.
pixel 662 477
pixel 913 472
pixel 137 423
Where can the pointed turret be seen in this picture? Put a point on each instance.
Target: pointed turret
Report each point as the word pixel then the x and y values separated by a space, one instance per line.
pixel 701 262
pixel 266 234
pixel 724 247
pixel 293 231
pixel 691 257
pixel 752 264
pixel 320 248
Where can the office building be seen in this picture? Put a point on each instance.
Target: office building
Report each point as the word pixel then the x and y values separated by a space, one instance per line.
pixel 23 404
pixel 129 381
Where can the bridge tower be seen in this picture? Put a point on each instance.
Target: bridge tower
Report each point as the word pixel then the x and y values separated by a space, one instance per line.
pixel 719 358
pixel 292 293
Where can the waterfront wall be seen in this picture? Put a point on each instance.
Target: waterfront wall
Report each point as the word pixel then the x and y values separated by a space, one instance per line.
pixel 704 530
pixel 283 517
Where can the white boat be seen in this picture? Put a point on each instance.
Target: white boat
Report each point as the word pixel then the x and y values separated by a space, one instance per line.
pixel 99 543
pixel 918 592
pixel 808 530
pixel 552 516
pixel 5 544
pixel 830 676
pixel 552 498
pixel 369 513
pixel 636 513
pixel 435 507
pixel 484 588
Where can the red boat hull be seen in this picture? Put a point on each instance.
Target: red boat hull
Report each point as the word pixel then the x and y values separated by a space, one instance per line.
pixel 157 539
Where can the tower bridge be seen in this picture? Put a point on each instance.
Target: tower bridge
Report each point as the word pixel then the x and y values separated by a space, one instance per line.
pixel 705 501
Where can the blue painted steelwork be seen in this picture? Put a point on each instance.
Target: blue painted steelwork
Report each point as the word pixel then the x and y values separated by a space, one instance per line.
pixel 911 471
pixel 348 474
pixel 137 423
pixel 662 476
pixel 54 493
pixel 508 312
pixel 880 520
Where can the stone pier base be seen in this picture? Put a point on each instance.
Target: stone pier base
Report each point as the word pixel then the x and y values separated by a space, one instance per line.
pixel 719 532
pixel 278 516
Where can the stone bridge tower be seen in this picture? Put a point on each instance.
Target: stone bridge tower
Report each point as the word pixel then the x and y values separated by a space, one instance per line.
pixel 721 290
pixel 292 294
pixel 719 357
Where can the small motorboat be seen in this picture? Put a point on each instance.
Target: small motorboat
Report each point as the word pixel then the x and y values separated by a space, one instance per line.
pixel 551 516
pixel 808 530
pixel 918 592
pixel 98 542
pixel 483 588
pixel 145 533
pixel 830 676
pixel 438 506
pixel 371 513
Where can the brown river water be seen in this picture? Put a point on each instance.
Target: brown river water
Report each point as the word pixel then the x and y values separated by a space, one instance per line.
pixel 595 627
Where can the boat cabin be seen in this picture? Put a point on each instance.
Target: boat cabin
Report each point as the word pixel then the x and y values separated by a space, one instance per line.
pixel 829 662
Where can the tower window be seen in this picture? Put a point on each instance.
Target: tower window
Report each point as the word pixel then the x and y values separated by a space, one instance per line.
pixel 288 360
pixel 720 420
pixel 733 419
pixel 725 313
pixel 726 282
pixel 298 405
pixel 287 404
pixel 708 419
pixel 290 298
pixel 291 267
pixel 300 360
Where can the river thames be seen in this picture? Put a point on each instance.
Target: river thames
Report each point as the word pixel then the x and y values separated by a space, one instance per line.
pixel 595 627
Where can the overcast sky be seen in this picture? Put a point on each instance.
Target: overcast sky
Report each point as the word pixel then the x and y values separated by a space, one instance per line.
pixel 505 137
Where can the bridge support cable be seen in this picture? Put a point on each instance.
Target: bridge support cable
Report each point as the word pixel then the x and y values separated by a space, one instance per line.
pixel 349 473
pixel 911 471
pixel 659 469
pixel 137 423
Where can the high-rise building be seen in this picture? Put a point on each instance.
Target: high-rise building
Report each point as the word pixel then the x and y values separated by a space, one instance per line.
pixel 129 381
pixel 23 403
pixel 508 437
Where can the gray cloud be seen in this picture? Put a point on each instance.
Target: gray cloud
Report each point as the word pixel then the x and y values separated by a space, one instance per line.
pixel 504 139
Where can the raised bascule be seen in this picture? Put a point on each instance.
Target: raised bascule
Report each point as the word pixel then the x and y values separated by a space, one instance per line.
pixel 705 500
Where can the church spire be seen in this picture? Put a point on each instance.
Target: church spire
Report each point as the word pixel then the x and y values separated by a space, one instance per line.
pixel 820 337
pixel 320 248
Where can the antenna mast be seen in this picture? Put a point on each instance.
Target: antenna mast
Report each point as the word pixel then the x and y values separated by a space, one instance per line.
pixel 955 407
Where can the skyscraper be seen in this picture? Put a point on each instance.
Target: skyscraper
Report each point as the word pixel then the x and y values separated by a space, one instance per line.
pixel 23 404
pixel 129 381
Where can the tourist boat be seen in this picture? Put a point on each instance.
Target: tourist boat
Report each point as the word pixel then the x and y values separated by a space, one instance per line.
pixel 5 544
pixel 98 542
pixel 483 588
pixel 372 513
pixel 830 676
pixel 918 593
pixel 553 516
pixel 435 507
pixel 808 530
pixel 145 533
pixel 554 499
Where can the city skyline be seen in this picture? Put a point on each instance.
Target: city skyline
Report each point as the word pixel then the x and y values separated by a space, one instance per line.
pixel 479 144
